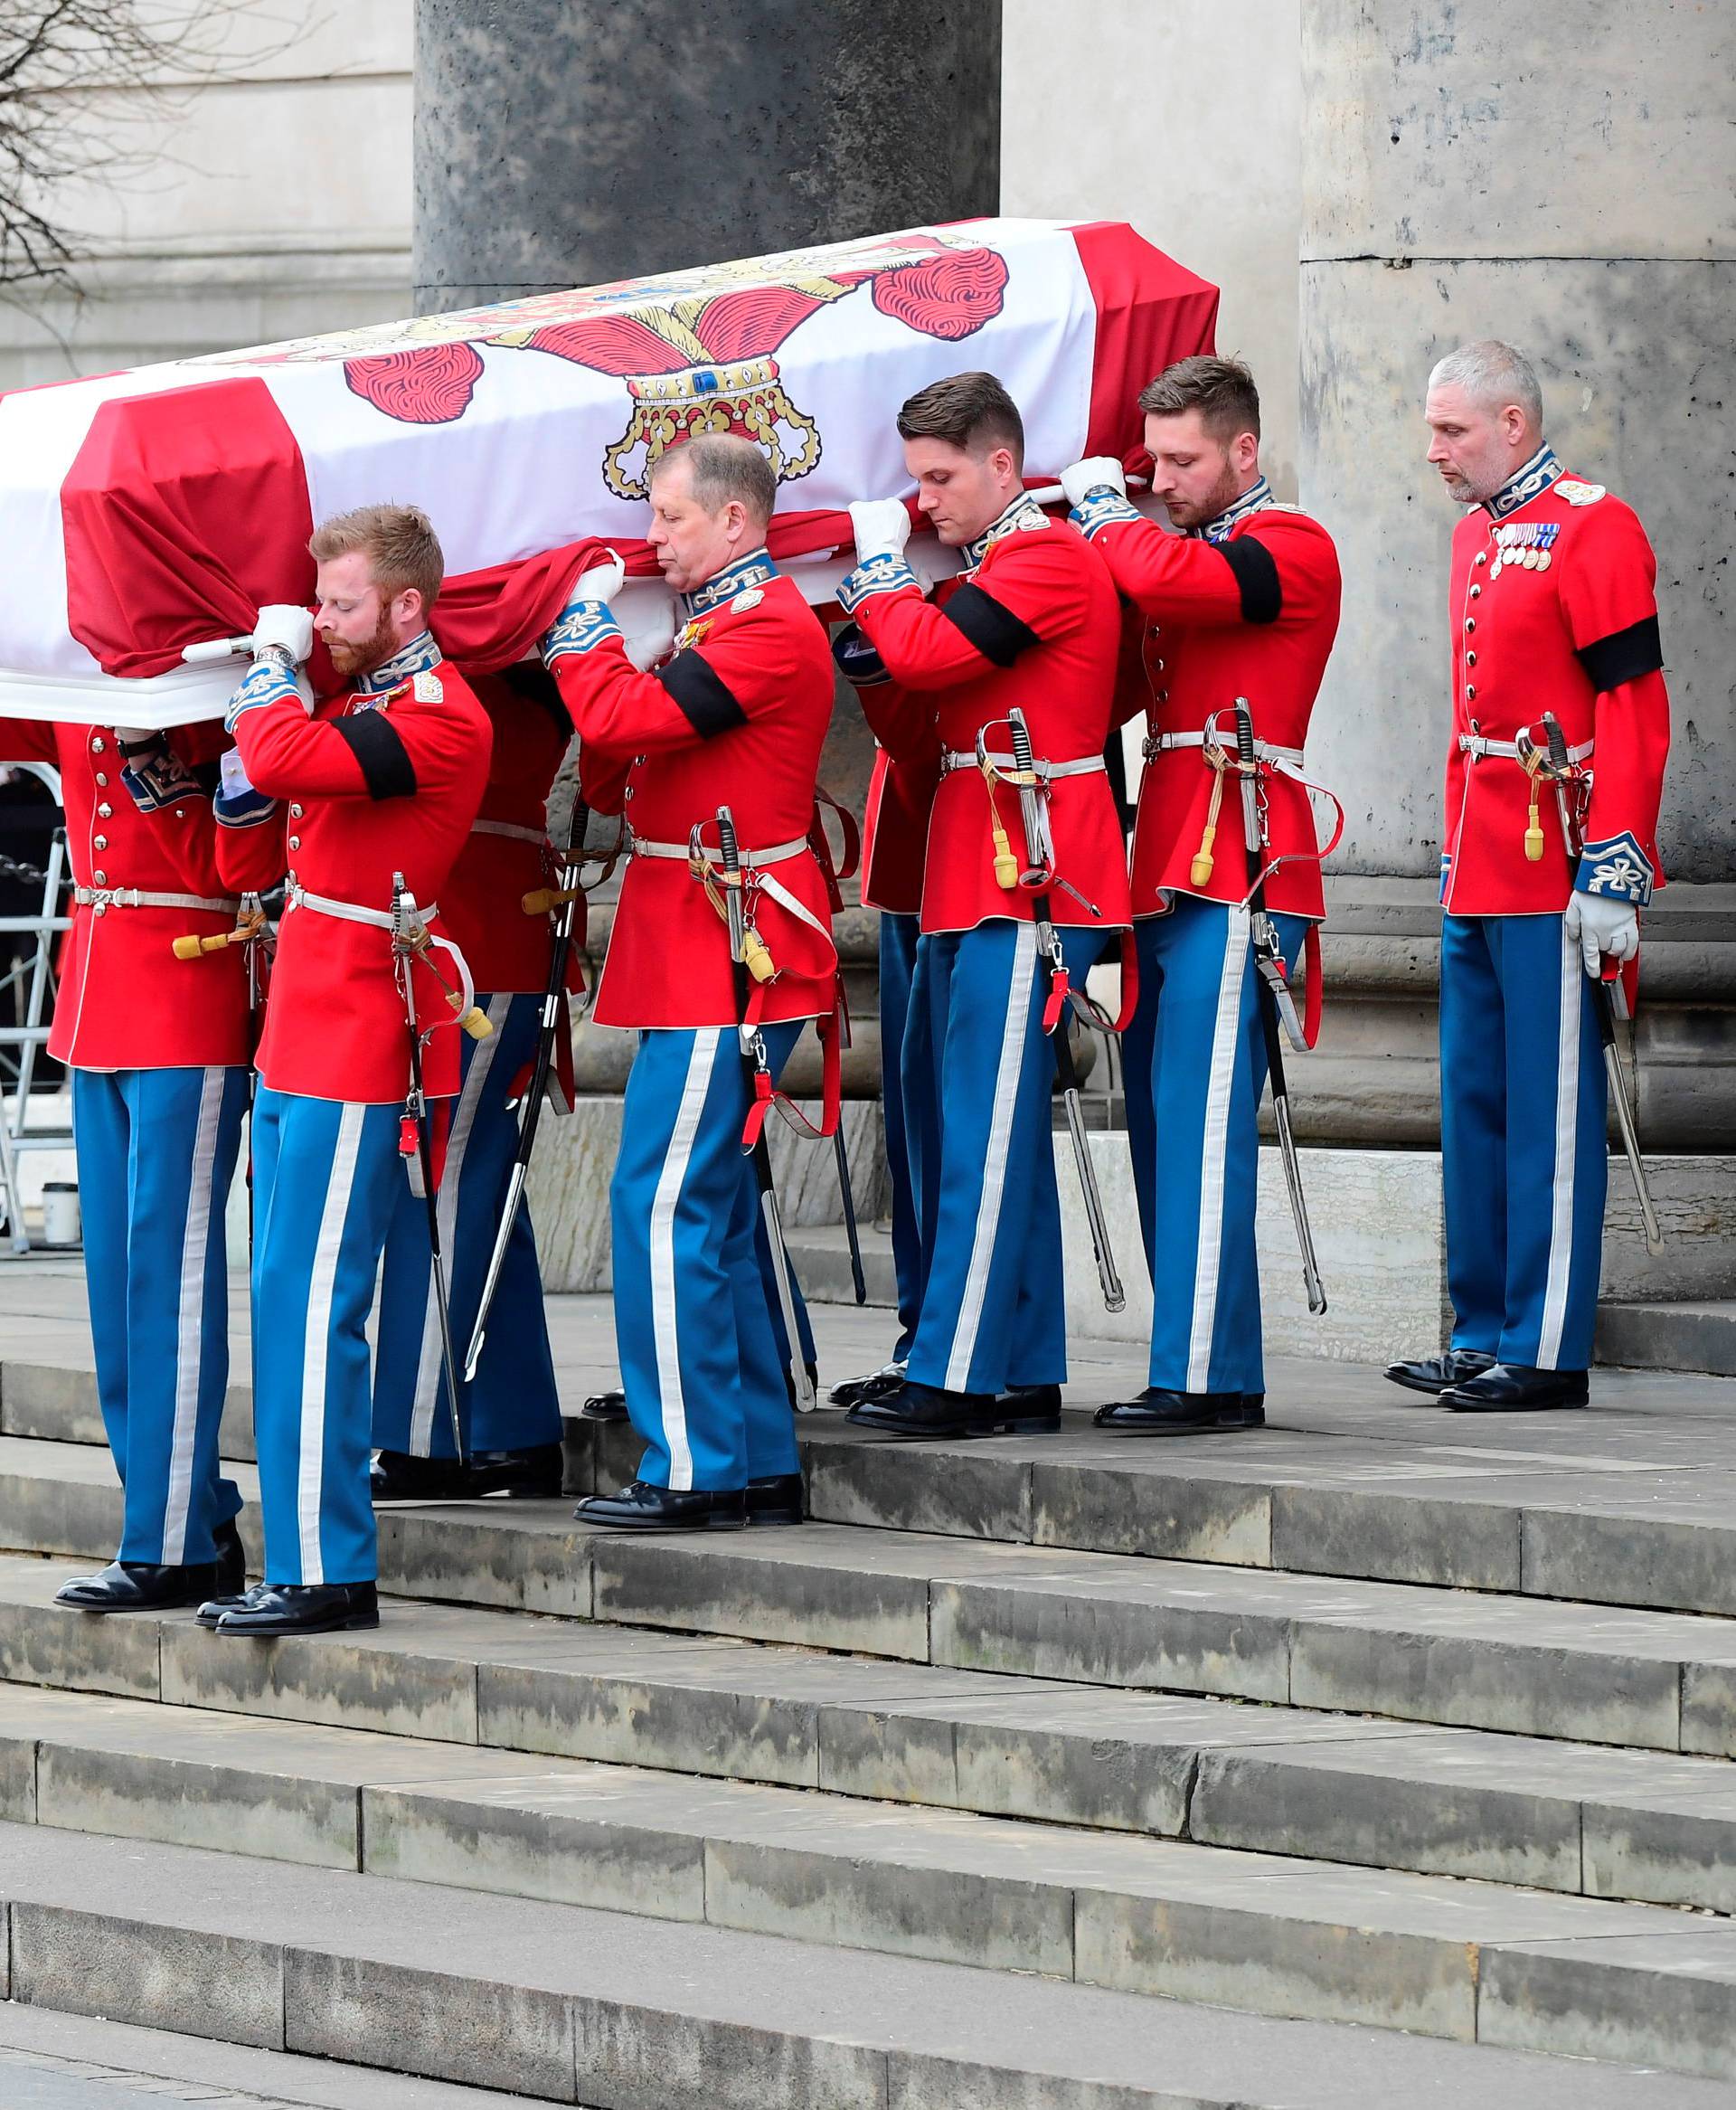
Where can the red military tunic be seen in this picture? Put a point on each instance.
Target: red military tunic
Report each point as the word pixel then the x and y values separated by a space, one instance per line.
pixel 1032 622
pixel 736 716
pixel 1553 609
pixel 384 779
pixel 126 1002
pixel 507 856
pixel 1249 609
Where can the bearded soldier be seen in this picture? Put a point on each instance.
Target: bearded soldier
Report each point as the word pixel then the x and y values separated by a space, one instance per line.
pixel 1241 604
pixel 714 755
pixel 1020 650
pixel 375 785
pixel 1555 774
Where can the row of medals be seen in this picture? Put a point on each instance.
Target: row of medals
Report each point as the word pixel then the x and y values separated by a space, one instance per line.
pixel 1526 544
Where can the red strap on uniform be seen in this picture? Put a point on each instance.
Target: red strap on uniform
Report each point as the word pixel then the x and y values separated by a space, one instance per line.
pixel 1058 993
pixel 1313 996
pixel 765 1095
pixel 820 844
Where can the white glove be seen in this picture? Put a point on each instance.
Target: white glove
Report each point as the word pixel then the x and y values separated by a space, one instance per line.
pixel 881 527
pixel 1604 926
pixel 652 634
pixel 281 629
pixel 600 583
pixel 1097 472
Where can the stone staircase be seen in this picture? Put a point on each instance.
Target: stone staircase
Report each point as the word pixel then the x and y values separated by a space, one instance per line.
pixel 1373 1758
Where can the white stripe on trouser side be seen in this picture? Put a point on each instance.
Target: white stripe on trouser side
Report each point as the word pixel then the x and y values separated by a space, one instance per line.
pixel 310 1475
pixel 1000 1136
pixel 672 1399
pixel 1226 1043
pixel 1567 1126
pixel 429 1360
pixel 190 1320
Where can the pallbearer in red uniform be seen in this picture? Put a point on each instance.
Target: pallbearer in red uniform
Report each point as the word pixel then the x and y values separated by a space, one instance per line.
pixel 736 717
pixel 157 1049
pixel 380 781
pixel 1031 627
pixel 1545 865
pixel 509 1413
pixel 1243 602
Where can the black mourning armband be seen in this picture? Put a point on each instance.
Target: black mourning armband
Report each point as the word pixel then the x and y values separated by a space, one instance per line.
pixel 379 752
pixel 989 625
pixel 1623 655
pixel 1256 580
pixel 702 694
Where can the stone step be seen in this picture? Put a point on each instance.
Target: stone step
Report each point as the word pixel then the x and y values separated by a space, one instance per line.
pixel 626 2013
pixel 1524 1666
pixel 1466 1961
pixel 1623 1507
pixel 821 1255
pixel 1692 1335
pixel 1635 1825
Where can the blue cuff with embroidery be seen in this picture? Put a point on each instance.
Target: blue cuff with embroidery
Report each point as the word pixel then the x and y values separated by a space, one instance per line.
pixel 268 681
pixel 1617 870
pixel 581 628
pixel 155 776
pixel 1103 507
pixel 885 573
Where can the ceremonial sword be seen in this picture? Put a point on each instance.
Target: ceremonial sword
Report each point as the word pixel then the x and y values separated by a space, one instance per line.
pixel 1272 995
pixel 1603 1003
pixel 1036 880
pixel 409 935
pixel 554 996
pixel 752 1050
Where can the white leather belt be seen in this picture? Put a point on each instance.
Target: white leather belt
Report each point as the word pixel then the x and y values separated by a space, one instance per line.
pixel 1478 744
pixel 1085 766
pixel 750 860
pixel 1155 743
pixel 511 830
pixel 101 897
pixel 296 896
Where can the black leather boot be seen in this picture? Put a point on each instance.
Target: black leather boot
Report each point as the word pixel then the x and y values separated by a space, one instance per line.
pixel 1160 1412
pixel 1028 1410
pixel 1516 1389
pixel 1434 1374
pixel 232 1560
pixel 395 1476
pixel 275 1608
pixel 134 1585
pixel 640 1507
pixel 604 1406
pixel 924 1413
pixel 527 1475
pixel 776 1499
pixel 877 1384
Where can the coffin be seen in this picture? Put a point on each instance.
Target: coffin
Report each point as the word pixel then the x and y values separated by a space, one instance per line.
pixel 144 512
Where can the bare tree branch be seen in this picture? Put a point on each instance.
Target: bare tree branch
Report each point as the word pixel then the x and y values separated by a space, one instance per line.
pixel 77 77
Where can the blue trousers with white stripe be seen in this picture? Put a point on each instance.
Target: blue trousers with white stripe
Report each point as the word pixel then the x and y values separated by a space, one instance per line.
pixel 1194 1059
pixel 327 1178
pixel 156 1152
pixel 702 1362
pixel 980 1079
pixel 1525 1158
pixel 898 941
pixel 512 1403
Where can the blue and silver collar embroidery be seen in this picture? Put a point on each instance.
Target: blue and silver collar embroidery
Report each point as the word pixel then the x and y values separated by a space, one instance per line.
pixel 1022 511
pixel 1256 499
pixel 756 569
pixel 420 655
pixel 1538 474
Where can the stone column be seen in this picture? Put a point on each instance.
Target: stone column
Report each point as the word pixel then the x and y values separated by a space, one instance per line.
pixel 564 142
pixel 1563 178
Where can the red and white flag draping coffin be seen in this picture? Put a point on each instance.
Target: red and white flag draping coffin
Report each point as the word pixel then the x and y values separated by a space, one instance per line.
pixel 142 512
